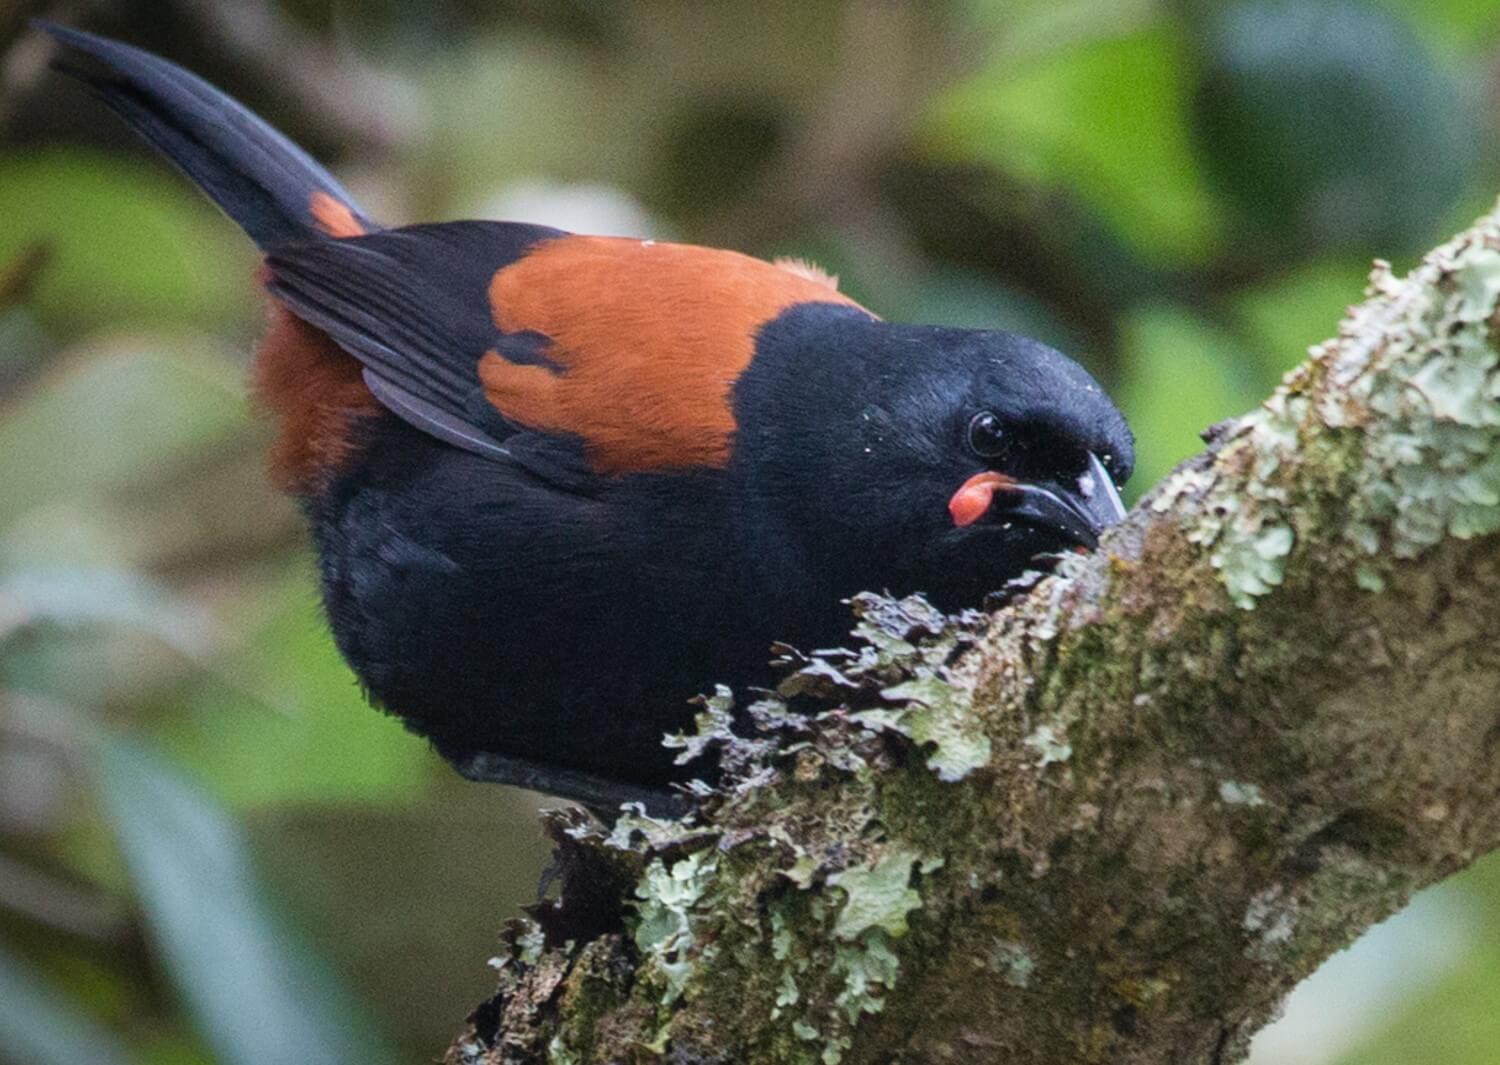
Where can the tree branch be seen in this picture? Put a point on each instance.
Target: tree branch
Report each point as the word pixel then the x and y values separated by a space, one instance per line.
pixel 1119 819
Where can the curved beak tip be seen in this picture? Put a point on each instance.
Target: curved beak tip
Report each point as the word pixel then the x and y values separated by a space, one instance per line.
pixel 1100 498
pixel 1081 512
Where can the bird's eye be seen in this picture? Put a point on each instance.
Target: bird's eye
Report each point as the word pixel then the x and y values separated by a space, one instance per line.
pixel 986 435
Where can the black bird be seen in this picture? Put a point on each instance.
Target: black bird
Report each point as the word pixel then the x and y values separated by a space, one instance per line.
pixel 560 484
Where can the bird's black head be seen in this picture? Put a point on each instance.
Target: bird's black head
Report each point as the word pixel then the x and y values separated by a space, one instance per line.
pixel 917 458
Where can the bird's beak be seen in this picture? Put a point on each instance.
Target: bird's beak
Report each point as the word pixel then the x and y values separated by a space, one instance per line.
pixel 1080 511
pixel 1098 499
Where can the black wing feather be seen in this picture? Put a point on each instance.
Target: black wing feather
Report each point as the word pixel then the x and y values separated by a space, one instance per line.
pixel 412 305
pixel 434 421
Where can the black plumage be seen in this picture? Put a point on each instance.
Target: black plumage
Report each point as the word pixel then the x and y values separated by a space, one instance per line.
pixel 559 485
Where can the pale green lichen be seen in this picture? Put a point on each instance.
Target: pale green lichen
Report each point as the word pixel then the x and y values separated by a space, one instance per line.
pixel 636 830
pixel 1414 373
pixel 559 1054
pixel 713 725
pixel 1422 360
pixel 1247 527
pixel 939 714
pixel 1271 918
pixel 1254 562
pixel 1236 793
pixel 804 870
pixel 532 943
pixel 665 926
pixel 1051 745
pixel 834 914
pixel 878 895
pixel 1013 961
pixel 1182 484
pixel 870 968
pixel 787 994
pixel 803 1030
pixel 866 911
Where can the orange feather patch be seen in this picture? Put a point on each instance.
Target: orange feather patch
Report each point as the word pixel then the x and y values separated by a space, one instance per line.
pixel 647 341
pixel 314 390
pixel 333 217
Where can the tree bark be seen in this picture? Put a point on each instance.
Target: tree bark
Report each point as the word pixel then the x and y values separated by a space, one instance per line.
pixel 1118 819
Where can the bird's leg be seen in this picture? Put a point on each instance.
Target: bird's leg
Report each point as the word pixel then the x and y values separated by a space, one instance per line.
pixel 602 796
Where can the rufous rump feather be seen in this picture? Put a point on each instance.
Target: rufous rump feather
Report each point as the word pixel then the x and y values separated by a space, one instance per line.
pixel 314 391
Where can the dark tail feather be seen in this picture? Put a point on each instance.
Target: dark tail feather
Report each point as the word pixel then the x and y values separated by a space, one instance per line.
pixel 259 178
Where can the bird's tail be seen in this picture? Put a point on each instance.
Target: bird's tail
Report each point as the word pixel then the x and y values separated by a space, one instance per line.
pixel 272 188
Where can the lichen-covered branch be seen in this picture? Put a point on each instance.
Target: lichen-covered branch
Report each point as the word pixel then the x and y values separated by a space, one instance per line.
pixel 1118 819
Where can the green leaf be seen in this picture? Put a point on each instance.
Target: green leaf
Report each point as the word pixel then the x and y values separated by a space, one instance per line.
pixel 129 240
pixel 114 412
pixel 257 994
pixel 38 1026
pixel 1330 124
pixel 1068 120
pixel 80 596
pixel 282 719
pixel 1292 312
pixel 1461 25
pixel 1181 376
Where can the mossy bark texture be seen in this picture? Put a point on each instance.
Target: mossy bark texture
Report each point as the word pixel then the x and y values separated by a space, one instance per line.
pixel 1118 819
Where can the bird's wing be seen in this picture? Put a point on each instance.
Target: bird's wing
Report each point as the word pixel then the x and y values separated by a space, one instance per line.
pixel 411 305
pixel 489 335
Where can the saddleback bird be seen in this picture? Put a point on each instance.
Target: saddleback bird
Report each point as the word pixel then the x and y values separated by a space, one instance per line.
pixel 560 484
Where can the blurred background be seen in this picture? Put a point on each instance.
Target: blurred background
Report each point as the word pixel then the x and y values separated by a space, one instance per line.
pixel 210 850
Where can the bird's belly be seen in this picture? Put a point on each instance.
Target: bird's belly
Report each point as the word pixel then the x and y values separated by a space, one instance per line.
pixel 495 613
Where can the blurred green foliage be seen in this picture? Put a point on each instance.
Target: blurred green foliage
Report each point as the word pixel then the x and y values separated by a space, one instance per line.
pixel 1351 111
pixel 195 803
pixel 1453 1019
pixel 1106 119
pixel 161 264
pixel 256 994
